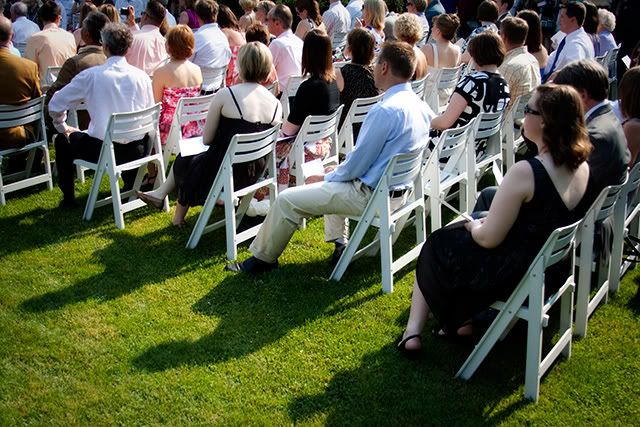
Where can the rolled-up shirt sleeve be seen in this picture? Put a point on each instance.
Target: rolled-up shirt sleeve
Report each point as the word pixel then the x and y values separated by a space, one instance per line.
pixel 69 97
pixel 371 139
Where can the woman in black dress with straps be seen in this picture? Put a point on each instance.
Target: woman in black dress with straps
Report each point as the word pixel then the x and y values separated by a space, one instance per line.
pixel 244 108
pixel 466 266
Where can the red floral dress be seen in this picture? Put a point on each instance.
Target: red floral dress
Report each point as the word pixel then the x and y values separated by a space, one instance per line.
pixel 170 98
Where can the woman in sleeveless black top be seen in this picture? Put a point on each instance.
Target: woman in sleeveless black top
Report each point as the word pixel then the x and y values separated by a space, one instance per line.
pixel 193 176
pixel 466 266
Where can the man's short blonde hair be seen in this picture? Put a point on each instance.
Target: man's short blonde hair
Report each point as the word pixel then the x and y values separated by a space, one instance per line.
pixel 408 28
pixel 248 4
pixel 255 62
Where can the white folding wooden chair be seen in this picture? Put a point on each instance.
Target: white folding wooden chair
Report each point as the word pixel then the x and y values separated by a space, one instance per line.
pixel 489 129
pixel 419 86
pixel 128 127
pixel 389 219
pixel 510 134
pixel 242 148
pixel 290 92
pixel 601 209
pixel 20 115
pixel 449 169
pixel 50 76
pixel 213 78
pixel 357 113
pixel 447 79
pixel 314 128
pixel 528 302
pixel 188 110
pixel 626 228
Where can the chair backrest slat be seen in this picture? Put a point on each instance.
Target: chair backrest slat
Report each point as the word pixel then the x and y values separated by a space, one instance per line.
pixel 488 125
pixel 449 77
pixel 558 245
pixel 418 86
pixel 252 146
pixel 20 115
pixel 318 127
pixel 134 125
pixel 361 107
pixel 451 146
pixel 403 168
pixel 193 109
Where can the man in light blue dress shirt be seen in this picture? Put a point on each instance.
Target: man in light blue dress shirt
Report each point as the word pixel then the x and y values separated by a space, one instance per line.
pixel 400 123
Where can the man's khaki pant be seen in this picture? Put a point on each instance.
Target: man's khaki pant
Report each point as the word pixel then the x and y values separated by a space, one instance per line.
pixel 336 200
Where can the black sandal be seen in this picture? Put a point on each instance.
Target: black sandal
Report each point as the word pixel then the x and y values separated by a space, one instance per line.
pixel 401 346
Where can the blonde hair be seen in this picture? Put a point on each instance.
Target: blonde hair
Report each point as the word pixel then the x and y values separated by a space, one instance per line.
pixel 255 62
pixel 408 28
pixel 248 4
pixel 376 12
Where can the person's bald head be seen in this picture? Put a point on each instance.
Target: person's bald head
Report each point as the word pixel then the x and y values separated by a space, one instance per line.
pixel 5 31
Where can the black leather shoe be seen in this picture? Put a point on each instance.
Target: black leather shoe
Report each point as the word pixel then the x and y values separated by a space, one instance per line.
pixel 252 265
pixel 337 253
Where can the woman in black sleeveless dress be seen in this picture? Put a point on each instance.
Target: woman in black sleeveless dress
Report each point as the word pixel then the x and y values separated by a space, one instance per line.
pixel 246 108
pixel 466 266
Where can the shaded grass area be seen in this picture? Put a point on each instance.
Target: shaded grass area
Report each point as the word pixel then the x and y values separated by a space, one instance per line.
pixel 105 326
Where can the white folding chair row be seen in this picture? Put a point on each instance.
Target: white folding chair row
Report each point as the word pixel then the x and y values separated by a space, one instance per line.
pixel 213 78
pixel 599 211
pixel 357 113
pixel 445 79
pixel 510 133
pixel 389 219
pixel 188 110
pixel 243 148
pixel 528 302
pixel 32 112
pixel 290 92
pixel 612 70
pixel 125 127
pixel 450 168
pixel 626 223
pixel 489 129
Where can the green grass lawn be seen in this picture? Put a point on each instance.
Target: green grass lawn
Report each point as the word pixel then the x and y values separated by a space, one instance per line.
pixel 104 326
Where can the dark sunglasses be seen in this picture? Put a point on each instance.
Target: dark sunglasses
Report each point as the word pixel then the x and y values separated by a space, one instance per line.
pixel 529 110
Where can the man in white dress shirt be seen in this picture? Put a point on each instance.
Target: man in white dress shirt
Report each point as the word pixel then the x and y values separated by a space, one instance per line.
pixel 211 45
pixel 114 87
pixel 22 27
pixel 336 19
pixel 286 49
pixel 576 45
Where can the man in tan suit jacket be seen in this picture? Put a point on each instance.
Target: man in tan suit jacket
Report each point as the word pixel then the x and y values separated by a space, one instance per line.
pixel 88 56
pixel 19 79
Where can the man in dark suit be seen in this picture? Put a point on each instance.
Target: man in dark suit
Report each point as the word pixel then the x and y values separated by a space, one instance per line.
pixel 20 84
pixel 610 156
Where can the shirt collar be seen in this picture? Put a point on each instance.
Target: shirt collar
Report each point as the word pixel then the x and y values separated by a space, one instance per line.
pixel 49 26
pixel 575 33
pixel 113 60
pixel 517 51
pixel 286 33
pixel 396 88
pixel 209 25
pixel 19 18
pixel 90 47
pixel 594 108
pixel 332 5
pixel 149 27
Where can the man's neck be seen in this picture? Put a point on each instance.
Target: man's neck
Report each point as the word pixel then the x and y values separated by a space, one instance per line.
pixel 509 47
pixel 391 82
pixel 572 30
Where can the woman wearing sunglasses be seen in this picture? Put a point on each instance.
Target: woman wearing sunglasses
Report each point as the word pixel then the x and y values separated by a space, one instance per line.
pixel 466 266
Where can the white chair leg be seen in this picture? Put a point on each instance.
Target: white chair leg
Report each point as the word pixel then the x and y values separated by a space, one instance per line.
pixel 95 190
pixel 80 174
pixel 566 317
pixel 116 201
pixel 386 254
pixel 230 229
pixel 534 343
pixel 352 247
pixel 30 159
pixel 203 218
pixel 2 199
pixel 47 168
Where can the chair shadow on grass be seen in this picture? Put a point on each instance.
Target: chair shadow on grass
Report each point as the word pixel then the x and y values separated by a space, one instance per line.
pixel 130 262
pixel 388 389
pixel 255 312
